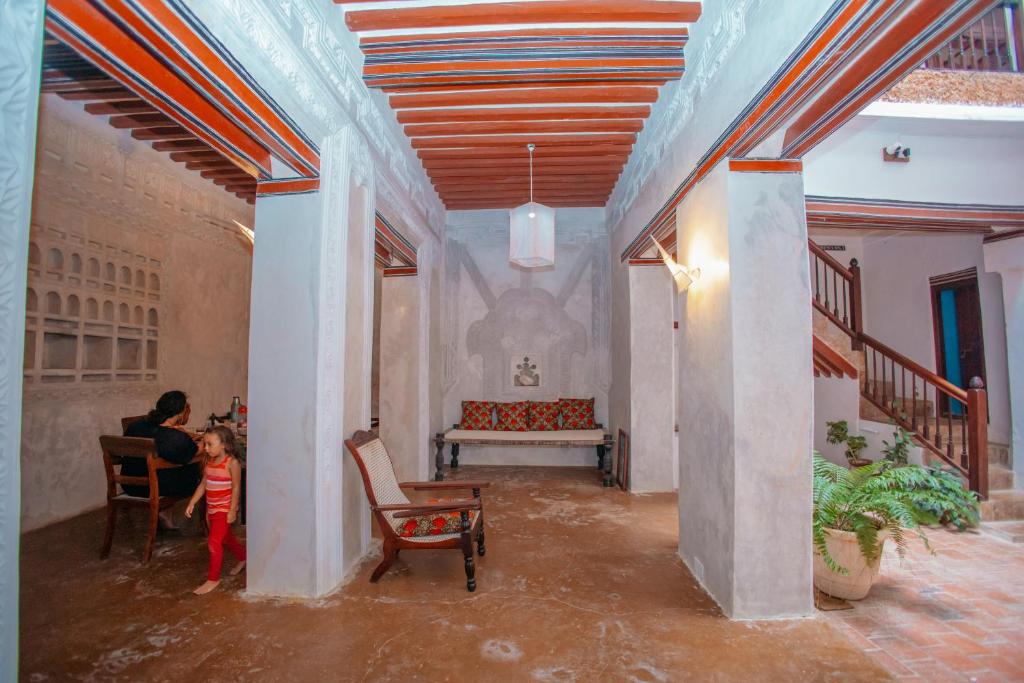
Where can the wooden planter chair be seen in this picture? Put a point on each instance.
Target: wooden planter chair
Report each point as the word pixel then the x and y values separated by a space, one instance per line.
pixel 116 450
pixel 390 506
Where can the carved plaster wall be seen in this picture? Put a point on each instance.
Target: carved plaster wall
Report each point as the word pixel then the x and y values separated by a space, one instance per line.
pixel 172 312
pixel 20 58
pixel 494 312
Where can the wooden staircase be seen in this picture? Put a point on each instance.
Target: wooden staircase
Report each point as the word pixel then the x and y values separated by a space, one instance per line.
pixel 948 422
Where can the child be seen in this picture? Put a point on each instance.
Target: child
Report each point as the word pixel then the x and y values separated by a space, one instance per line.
pixel 221 483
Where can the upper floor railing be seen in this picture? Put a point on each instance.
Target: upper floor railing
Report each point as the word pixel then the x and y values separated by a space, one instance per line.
pixel 993 43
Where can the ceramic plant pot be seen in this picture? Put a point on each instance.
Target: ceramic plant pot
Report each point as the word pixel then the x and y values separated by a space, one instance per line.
pixel 842 545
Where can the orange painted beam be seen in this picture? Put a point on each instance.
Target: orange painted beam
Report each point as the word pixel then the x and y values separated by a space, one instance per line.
pixel 553 11
pixel 516 152
pixel 580 183
pixel 521 114
pixel 526 64
pixel 587 32
pixel 528 79
pixel 624 93
pixel 422 44
pixel 766 165
pixel 506 204
pixel 455 141
pixel 498 170
pixel 506 127
pixel 534 83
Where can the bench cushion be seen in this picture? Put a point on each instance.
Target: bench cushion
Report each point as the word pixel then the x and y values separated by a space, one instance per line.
pixel 438 524
pixel 544 416
pixel 571 437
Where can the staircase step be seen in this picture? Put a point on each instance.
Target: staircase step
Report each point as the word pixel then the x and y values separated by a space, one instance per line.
pixel 1003 505
pixel 1010 530
pixel 999 477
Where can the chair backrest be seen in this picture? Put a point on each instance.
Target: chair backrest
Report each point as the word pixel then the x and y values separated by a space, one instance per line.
pixel 117 450
pixel 128 421
pixel 376 467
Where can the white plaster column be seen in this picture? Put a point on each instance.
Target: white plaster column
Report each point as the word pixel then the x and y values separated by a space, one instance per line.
pixel 20 60
pixel 403 421
pixel 307 523
pixel 652 383
pixel 1006 257
pixel 745 433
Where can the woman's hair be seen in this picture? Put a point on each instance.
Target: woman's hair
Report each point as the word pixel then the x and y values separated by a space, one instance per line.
pixel 170 404
pixel 227 438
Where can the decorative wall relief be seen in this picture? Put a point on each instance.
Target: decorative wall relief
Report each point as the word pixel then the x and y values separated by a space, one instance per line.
pixel 526 370
pixel 526 319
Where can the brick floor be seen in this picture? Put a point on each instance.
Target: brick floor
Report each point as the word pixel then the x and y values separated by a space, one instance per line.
pixel 957 615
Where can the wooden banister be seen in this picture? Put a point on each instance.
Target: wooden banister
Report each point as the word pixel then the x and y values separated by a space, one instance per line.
pixel 939 381
pixel 829 259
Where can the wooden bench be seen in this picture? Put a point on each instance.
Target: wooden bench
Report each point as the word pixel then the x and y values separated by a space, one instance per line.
pixel 564 438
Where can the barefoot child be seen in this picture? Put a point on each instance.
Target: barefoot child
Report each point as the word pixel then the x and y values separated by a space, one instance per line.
pixel 221 483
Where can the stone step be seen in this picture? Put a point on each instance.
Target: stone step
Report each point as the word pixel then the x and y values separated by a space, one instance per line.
pixel 1002 506
pixel 1009 530
pixel 999 477
pixel 999 453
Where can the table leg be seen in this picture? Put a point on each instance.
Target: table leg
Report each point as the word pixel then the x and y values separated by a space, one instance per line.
pixel 439 458
pixel 600 457
pixel 455 455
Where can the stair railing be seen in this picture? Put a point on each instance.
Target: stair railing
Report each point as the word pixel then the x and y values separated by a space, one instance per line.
pixel 959 433
pixel 835 292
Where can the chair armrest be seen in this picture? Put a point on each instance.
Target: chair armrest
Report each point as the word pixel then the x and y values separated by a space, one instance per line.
pixel 416 509
pixel 438 485
pixel 162 464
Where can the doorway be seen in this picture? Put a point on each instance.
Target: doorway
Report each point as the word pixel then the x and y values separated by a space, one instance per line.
pixel 959 342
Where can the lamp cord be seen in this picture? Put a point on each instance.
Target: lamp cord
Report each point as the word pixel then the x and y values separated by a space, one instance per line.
pixel 530 149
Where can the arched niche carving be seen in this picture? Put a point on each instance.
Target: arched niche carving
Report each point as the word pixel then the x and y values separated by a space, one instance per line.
pixel 53 303
pixel 55 259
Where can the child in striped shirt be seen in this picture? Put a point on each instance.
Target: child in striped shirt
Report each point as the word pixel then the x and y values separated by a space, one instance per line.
pixel 222 481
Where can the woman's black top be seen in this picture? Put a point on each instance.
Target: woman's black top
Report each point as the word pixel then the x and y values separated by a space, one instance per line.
pixel 173 445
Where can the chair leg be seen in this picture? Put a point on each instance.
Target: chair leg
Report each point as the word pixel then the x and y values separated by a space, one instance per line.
pixel 390 553
pixel 147 552
pixel 467 551
pixel 108 537
pixel 480 549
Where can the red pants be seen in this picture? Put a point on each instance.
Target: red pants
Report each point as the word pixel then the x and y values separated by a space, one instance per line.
pixel 220 536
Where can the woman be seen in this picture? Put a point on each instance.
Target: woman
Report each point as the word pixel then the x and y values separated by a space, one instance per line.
pixel 173 444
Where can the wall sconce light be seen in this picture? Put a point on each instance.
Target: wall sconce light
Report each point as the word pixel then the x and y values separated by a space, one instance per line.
pixel 246 233
pixel 683 276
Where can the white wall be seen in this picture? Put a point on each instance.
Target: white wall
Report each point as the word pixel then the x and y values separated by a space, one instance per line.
pixel 652 381
pixel 100 192
pixel 494 312
pixel 969 162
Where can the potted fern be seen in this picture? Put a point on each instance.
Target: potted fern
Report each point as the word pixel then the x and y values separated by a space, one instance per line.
pixel 857 509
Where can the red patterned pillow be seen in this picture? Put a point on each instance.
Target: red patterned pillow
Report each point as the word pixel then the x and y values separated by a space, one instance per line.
pixel 544 416
pixel 476 415
pixel 577 413
pixel 512 417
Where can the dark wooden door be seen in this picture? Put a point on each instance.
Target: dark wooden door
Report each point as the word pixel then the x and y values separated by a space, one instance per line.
pixel 959 342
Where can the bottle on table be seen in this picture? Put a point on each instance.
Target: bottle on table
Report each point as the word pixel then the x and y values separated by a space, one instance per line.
pixel 235 405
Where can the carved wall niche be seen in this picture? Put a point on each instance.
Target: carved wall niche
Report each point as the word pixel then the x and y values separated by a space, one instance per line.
pixel 93 312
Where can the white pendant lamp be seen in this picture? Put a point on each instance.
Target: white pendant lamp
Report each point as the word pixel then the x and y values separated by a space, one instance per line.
pixel 532 231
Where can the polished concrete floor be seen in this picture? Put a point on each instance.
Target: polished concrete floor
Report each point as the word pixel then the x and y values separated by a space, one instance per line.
pixel 579 583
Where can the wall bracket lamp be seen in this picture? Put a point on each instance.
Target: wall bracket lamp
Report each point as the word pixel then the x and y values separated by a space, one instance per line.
pixel 683 276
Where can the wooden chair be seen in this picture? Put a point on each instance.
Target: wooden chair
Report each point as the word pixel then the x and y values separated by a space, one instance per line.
pixel 116 450
pixel 390 506
pixel 128 421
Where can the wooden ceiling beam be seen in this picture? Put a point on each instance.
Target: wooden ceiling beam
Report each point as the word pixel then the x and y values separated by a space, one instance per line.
pixel 588 182
pixel 542 171
pixel 453 67
pixel 197 155
pixel 140 121
pixel 182 146
pixel 242 187
pixel 409 116
pixel 369 42
pixel 553 11
pixel 225 173
pixel 557 95
pixel 123 107
pixel 457 205
pixel 164 133
pixel 63 85
pixel 212 165
pixel 103 95
pixel 541 152
pixel 506 127
pixel 457 141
